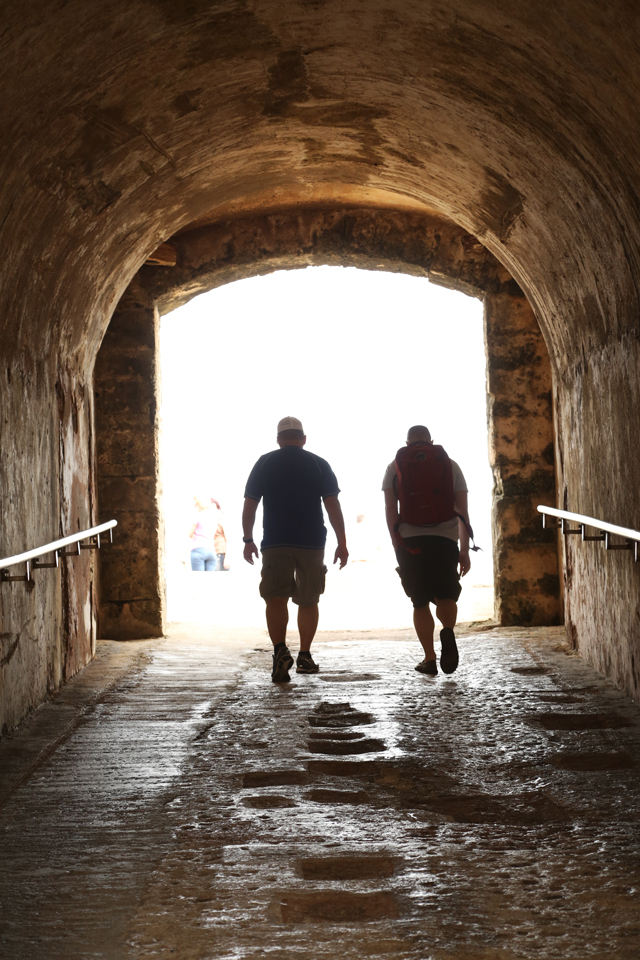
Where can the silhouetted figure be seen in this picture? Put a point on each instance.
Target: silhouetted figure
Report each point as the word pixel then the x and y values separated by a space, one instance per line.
pixel 209 543
pixel 292 484
pixel 433 515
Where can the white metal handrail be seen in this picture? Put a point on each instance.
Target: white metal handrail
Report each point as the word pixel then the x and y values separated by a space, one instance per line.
pixel 631 537
pixel 56 547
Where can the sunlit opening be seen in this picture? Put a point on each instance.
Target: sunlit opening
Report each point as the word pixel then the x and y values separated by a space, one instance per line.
pixel 359 357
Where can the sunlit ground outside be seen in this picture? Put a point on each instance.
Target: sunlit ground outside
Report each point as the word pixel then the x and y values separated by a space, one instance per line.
pixel 359 357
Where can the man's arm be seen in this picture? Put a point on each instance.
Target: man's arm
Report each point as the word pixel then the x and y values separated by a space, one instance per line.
pixel 248 520
pixel 334 512
pixel 460 501
pixel 392 515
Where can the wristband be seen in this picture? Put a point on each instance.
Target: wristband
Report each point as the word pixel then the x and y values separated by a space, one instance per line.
pixel 247 539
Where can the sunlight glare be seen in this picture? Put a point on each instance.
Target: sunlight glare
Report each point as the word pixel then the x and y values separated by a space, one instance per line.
pixel 358 356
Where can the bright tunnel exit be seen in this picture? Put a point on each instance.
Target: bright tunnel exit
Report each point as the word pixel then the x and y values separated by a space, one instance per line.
pixel 358 356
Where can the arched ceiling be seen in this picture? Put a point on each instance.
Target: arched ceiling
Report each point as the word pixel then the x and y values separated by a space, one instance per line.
pixel 126 121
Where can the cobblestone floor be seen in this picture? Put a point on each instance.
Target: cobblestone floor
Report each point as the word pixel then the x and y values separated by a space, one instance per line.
pixel 172 802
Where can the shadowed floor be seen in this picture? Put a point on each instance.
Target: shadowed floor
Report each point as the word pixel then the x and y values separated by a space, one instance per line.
pixel 171 801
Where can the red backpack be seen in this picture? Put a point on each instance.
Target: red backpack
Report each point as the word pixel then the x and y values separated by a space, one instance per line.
pixel 425 484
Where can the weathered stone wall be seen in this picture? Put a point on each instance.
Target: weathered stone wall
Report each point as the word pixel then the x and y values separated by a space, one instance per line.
pixel 598 404
pixel 127 399
pixel 47 626
pixel 521 454
pixel 527 582
pixel 288 238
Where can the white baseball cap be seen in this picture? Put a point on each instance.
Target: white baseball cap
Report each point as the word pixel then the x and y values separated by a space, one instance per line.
pixel 289 423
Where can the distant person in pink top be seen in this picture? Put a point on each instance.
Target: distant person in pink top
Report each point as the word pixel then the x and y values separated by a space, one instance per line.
pixel 208 540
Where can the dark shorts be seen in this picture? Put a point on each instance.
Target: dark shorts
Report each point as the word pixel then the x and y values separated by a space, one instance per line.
pixel 431 574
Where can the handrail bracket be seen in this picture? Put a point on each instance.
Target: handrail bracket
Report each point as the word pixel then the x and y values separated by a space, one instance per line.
pixel 94 543
pixel 601 537
pixel 5 578
pixel 628 545
pixel 38 565
pixel 567 530
pixel 71 553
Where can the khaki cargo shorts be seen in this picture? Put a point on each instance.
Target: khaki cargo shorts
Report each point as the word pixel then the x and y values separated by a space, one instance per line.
pixel 293 572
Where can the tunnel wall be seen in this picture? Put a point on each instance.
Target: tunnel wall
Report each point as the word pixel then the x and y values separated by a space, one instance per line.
pixel 520 416
pixel 522 457
pixel 598 405
pixel 48 625
pixel 127 392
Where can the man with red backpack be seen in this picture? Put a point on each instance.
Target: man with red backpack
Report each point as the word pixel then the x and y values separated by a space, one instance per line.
pixel 426 508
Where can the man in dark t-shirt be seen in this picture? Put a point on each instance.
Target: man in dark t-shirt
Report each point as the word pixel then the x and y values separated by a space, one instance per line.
pixel 292 484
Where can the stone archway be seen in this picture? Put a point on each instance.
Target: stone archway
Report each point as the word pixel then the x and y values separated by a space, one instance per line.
pixel 519 390
pixel 127 121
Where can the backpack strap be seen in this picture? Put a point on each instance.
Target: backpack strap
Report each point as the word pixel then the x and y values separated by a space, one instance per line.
pixel 416 550
pixel 469 530
pixel 413 550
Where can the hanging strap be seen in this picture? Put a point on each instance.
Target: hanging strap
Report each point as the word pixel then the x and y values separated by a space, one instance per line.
pixel 416 550
pixel 413 550
pixel 469 530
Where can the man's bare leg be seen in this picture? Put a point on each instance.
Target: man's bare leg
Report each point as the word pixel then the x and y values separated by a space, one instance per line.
pixel 277 619
pixel 307 625
pixel 447 612
pixel 423 622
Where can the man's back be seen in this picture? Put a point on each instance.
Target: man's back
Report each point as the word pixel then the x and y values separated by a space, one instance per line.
pixel 292 484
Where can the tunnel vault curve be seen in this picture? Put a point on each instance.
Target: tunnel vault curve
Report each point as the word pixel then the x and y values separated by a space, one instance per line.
pixel 519 391
pixel 124 120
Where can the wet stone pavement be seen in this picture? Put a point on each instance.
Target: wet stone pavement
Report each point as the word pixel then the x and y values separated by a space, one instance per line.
pixel 172 802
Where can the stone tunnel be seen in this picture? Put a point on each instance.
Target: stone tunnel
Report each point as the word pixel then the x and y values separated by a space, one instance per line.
pixel 519 389
pixel 153 150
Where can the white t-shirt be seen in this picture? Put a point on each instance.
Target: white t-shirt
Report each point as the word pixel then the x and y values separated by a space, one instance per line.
pixel 449 528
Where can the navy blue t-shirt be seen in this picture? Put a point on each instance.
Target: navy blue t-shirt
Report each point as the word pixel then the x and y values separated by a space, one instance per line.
pixel 292 483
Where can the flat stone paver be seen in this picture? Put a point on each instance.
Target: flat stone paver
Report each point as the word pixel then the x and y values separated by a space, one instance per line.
pixel 172 802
